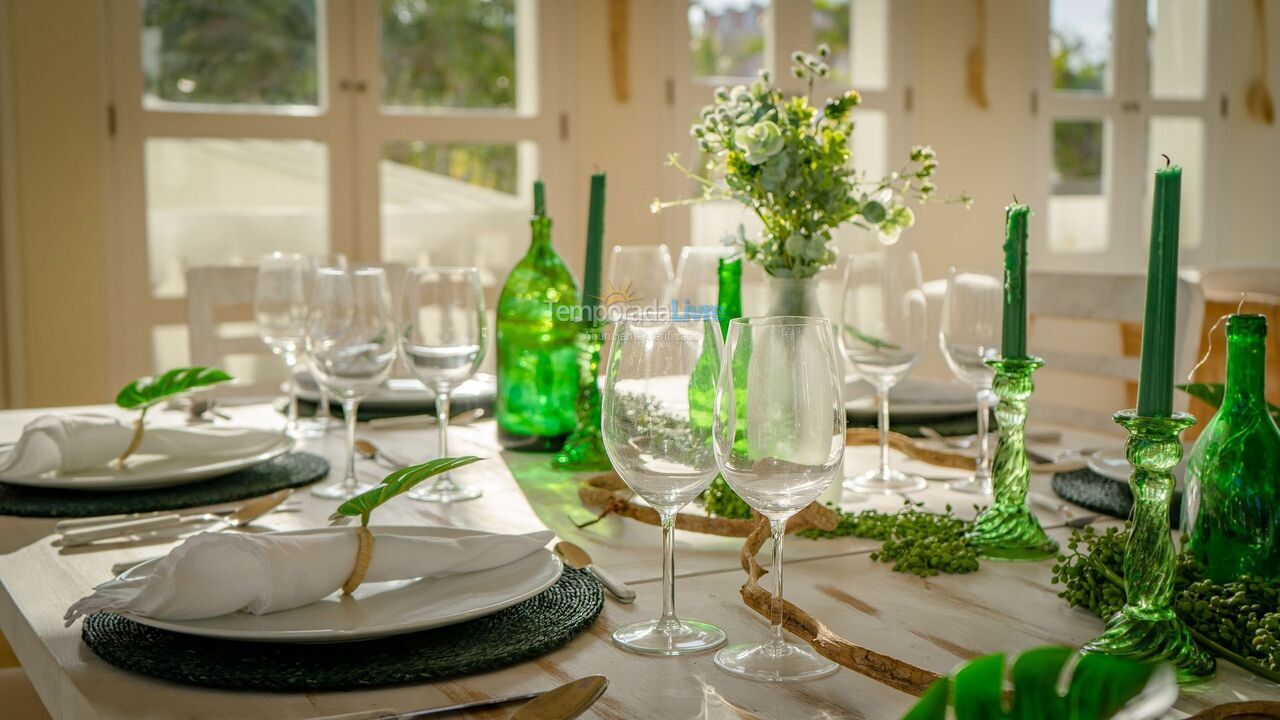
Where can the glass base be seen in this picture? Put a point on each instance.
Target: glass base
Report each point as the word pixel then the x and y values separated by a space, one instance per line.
pixel 896 482
pixel 312 427
pixel 447 494
pixel 687 638
pixel 1005 532
pixel 971 485
pixel 774 662
pixel 1167 639
pixel 339 490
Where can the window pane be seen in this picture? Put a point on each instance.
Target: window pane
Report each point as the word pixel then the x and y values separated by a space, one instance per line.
pixel 1182 138
pixel 457 204
pixel 859 39
pixel 1080 47
pixel 726 37
pixel 239 52
pixel 1177 48
pixel 220 202
pixel 1078 204
pixel 449 53
pixel 831 25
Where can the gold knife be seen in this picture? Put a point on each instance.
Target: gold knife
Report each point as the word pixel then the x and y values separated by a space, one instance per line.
pixel 563 703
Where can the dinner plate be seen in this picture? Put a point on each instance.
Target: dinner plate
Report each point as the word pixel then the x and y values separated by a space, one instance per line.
pixel 379 609
pixel 153 471
pixel 909 399
pixel 1111 463
pixel 410 393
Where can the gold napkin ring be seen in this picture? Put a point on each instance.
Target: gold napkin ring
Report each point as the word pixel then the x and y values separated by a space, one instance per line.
pixel 363 554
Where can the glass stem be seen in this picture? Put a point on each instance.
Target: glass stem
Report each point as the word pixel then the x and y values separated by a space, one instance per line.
pixel 443 483
pixel 322 410
pixel 779 528
pixel 350 407
pixel 882 395
pixel 982 471
pixel 290 362
pixel 668 621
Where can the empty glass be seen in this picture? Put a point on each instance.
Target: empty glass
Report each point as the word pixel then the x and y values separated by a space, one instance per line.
pixel 350 342
pixel 318 424
pixel 969 335
pixel 443 337
pixel 882 332
pixel 660 374
pixel 280 309
pixel 779 454
pixel 697 281
pixel 639 276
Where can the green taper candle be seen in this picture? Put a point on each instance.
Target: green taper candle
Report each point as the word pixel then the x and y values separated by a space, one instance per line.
pixel 1013 339
pixel 539 199
pixel 595 243
pixel 1159 324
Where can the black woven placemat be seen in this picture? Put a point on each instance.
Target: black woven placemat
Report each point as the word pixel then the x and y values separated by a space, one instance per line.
pixel 521 632
pixel 286 471
pixel 307 409
pixel 961 424
pixel 1105 495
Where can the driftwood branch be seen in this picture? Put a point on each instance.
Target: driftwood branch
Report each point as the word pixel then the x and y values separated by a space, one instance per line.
pixel 609 495
pixel 1240 711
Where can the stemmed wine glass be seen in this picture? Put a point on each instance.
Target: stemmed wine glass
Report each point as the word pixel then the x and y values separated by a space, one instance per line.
pixel 779 453
pixel 318 424
pixel 969 336
pixel 697 280
pixel 280 308
pixel 882 332
pixel 351 345
pixel 443 336
pixel 639 275
pixel 656 422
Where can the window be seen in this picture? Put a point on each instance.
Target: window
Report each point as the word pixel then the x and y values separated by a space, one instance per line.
pixel 397 130
pixel 1122 83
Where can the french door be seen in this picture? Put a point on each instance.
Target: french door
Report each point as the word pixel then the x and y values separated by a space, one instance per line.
pixel 397 130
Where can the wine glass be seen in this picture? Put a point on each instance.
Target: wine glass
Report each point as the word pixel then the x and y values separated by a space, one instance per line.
pixel 280 309
pixel 318 424
pixel 882 332
pixel 969 335
pixel 779 453
pixel 656 423
pixel 351 345
pixel 639 275
pixel 697 282
pixel 443 336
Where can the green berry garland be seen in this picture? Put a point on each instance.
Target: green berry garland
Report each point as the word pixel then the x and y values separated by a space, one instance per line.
pixel 916 541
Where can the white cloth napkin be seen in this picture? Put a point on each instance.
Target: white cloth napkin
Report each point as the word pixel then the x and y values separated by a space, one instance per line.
pixel 213 574
pixel 68 443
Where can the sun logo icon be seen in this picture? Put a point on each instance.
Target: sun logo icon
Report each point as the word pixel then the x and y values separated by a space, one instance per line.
pixel 618 296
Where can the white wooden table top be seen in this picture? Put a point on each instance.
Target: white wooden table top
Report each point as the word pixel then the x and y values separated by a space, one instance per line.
pixel 934 623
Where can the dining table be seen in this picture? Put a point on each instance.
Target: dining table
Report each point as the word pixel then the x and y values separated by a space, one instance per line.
pixel 935 623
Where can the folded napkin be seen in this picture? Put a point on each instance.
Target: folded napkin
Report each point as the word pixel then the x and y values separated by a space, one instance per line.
pixel 213 574
pixel 68 443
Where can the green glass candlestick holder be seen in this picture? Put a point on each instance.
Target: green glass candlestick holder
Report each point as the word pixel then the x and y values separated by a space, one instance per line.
pixel 1147 628
pixel 1008 530
pixel 584 449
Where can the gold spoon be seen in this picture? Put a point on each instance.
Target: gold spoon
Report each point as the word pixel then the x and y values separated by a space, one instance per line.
pixel 578 559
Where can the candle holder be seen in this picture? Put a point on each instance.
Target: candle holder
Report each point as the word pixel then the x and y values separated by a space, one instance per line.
pixel 1008 530
pixel 584 449
pixel 1147 628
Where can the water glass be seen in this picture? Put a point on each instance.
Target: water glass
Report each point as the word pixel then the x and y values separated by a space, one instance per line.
pixel 697 280
pixel 639 276
pixel 969 335
pixel 280 309
pixel 882 332
pixel 779 453
pixel 443 336
pixel 656 424
pixel 350 343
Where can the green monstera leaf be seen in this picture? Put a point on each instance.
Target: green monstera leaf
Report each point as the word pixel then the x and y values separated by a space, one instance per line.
pixel 145 392
pixel 400 481
pixel 1097 687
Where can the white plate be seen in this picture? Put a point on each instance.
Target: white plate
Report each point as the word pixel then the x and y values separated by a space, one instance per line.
pixel 1111 463
pixel 153 471
pixel 910 399
pixel 407 393
pixel 380 609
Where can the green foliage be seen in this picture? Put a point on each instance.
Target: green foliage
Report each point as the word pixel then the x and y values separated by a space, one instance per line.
pixel 915 541
pixel 719 500
pixel 791 164
pixel 1072 68
pixel 400 481
pixel 145 392
pixel 1098 686
pixel 1238 621
pixel 1212 393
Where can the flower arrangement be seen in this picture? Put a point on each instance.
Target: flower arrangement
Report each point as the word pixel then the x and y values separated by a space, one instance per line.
pixel 789 162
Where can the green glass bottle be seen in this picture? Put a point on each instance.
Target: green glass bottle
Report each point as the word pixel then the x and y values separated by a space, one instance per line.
pixel 1231 507
pixel 720 500
pixel 536 334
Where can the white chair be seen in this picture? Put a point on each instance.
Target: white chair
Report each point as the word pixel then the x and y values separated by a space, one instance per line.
pixel 1225 284
pixel 1110 300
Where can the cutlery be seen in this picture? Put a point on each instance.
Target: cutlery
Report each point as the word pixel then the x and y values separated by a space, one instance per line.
pixel 1051 504
pixel 563 703
pixel 578 559
pixel 225 509
pixel 1079 523
pixel 963 442
pixel 247 513
pixel 369 451
pixel 462 418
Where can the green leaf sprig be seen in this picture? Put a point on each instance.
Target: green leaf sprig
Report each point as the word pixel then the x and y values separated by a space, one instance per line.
pixel 398 482
pixel 916 541
pixel 143 393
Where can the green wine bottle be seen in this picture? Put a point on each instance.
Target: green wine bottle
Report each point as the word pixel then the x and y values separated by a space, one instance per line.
pixel 1231 506
pixel 536 332
pixel 720 500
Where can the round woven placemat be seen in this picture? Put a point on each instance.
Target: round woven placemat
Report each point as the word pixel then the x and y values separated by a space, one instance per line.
pixel 285 471
pixel 521 632
pixel 948 425
pixel 1105 495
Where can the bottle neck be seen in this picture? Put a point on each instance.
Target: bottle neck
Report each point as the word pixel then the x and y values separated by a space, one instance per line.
pixel 541 227
pixel 1246 369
